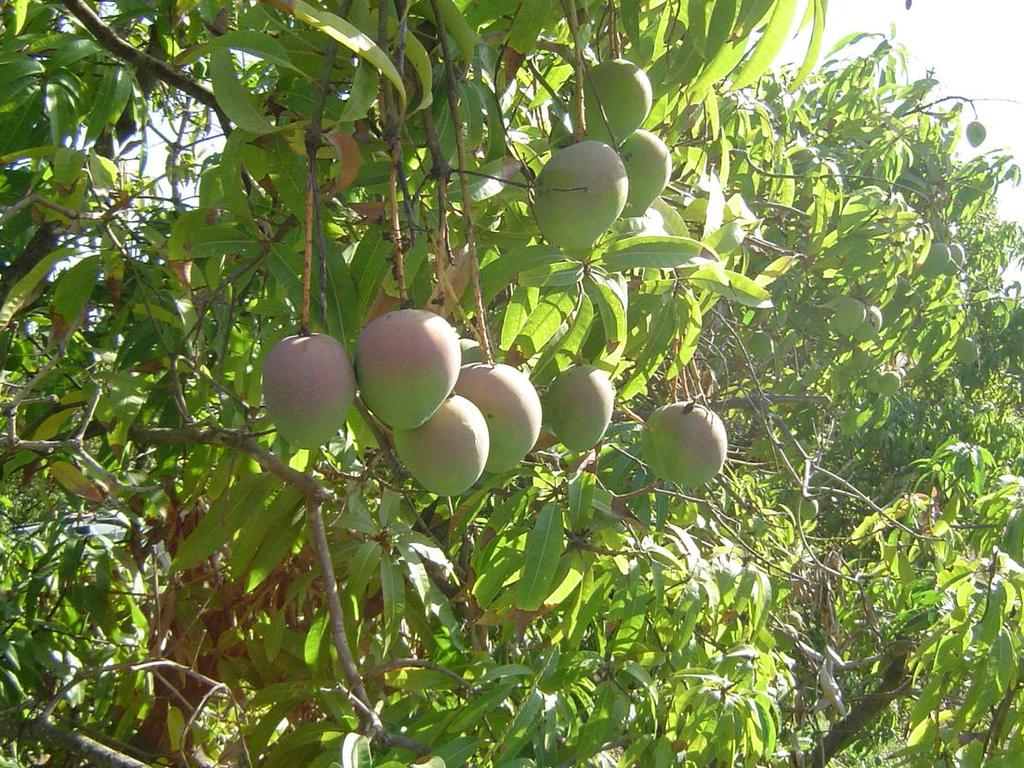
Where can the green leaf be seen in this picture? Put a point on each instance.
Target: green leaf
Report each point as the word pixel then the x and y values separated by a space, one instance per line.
pixel 393 593
pixel 231 178
pixel 365 85
pixel 1006 662
pixel 221 240
pixel 249 41
pixel 223 520
pixel 771 42
pixel 611 299
pixel 233 97
pixel 493 179
pixel 522 728
pixel 820 9
pixel 103 171
pixel 74 288
pixel 175 727
pixel 720 66
pixel 544 546
pixel 658 252
pixel 253 533
pixel 288 172
pixel 543 322
pixel 517 313
pixel 314 639
pixel 731 285
pixel 419 59
pixel 274 635
pixel 719 26
pixel 23 290
pixel 271 554
pixel 455 22
pixel 349 36
pixel 70 49
pixel 20 14
pixel 530 19
pixel 726 238
pixel 498 274
pixel 604 720
pixel 109 102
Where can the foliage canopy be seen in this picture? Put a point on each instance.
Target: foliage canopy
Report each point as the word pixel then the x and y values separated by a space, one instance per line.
pixel 181 586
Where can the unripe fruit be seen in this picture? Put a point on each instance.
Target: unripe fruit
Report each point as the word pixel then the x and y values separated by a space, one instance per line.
pixel 685 443
pixel 804 508
pixel 761 346
pixel 578 406
pixel 886 383
pixel 510 406
pixel 938 262
pixel 407 363
pixel 580 192
pixel 966 350
pixel 648 169
pixel 850 314
pixel 471 351
pixel 447 453
pixel 617 98
pixel 308 387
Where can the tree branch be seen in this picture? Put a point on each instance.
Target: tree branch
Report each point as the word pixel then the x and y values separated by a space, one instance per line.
pixel 893 685
pixel 123 50
pixel 14 727
pixel 305 484
pixel 758 401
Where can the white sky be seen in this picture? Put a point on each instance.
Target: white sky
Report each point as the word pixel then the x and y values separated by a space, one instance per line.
pixel 975 50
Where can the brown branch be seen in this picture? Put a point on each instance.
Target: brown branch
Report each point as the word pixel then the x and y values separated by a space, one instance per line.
pixel 123 50
pixel 391 120
pixel 894 683
pixel 302 482
pixel 370 723
pixel 307 253
pixel 314 133
pixel 315 495
pixel 998 721
pixel 14 727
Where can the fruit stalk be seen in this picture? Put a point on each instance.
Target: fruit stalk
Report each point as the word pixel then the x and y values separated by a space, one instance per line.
pixel 467 206
pixel 314 132
pixel 392 120
pixel 579 124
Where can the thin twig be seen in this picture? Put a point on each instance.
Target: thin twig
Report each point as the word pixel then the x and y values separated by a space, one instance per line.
pixel 467 205
pixel 128 53
pixel 579 124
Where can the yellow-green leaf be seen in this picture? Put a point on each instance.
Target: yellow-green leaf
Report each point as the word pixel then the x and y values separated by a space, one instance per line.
pixel 768 46
pixel 232 96
pixel 544 547
pixel 348 35
pixel 71 478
